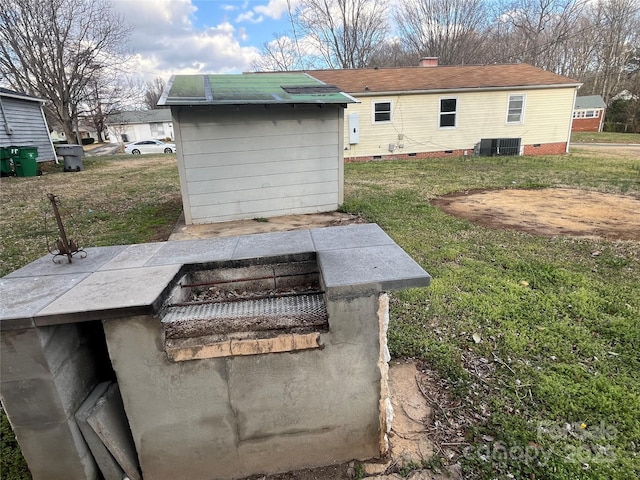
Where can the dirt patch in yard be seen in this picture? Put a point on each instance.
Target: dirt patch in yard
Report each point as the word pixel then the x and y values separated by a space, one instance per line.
pixel 551 211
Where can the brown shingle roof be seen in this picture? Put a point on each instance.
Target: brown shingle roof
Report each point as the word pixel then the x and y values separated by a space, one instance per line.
pixel 371 80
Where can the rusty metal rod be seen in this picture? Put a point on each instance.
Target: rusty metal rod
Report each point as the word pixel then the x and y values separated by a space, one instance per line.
pixel 63 234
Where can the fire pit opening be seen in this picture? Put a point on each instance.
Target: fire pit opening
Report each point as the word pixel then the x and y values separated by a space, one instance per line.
pixel 245 307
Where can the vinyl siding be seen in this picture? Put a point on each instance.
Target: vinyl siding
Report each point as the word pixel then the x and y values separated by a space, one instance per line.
pixel 257 162
pixel 415 121
pixel 29 127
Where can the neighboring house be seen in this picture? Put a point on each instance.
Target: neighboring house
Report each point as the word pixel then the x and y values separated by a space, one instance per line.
pixel 125 127
pixel 431 110
pixel 624 95
pixel 84 126
pixel 588 114
pixel 257 145
pixel 23 124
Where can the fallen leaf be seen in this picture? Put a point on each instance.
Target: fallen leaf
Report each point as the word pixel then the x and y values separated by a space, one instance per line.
pixel 476 337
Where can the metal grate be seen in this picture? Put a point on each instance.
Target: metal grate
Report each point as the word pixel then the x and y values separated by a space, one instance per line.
pixel 308 308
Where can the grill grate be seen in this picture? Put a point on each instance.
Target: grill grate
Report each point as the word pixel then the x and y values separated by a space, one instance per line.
pixel 309 308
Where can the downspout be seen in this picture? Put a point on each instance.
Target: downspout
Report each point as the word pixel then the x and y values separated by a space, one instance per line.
pixel 7 127
pixel 575 94
pixel 46 125
pixel 602 111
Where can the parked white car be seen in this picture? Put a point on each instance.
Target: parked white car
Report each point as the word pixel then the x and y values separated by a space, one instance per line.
pixel 149 146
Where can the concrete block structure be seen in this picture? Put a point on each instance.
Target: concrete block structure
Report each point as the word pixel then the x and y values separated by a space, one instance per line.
pixel 224 416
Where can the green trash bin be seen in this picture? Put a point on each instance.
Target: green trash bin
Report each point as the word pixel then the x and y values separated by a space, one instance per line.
pixel 6 169
pixel 26 164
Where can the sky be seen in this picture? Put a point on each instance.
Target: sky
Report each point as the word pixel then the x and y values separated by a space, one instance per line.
pixel 200 36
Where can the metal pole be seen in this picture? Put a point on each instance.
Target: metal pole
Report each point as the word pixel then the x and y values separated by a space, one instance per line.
pixel 63 235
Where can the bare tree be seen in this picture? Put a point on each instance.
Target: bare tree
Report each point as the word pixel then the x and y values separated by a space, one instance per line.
pixel 618 40
pixel 279 54
pixel 536 31
pixel 111 93
pixel 393 53
pixel 448 29
pixel 55 49
pixel 153 92
pixel 344 32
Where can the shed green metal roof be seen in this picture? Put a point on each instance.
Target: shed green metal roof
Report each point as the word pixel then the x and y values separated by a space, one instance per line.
pixel 250 89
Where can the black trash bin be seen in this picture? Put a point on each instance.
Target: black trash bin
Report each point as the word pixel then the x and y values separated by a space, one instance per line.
pixel 72 155
pixel 6 164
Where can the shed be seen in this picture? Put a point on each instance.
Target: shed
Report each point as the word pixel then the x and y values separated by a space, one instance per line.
pixel 257 145
pixel 22 123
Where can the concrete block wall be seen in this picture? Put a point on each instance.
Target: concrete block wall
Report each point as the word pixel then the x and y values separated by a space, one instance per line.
pixel 46 374
pixel 238 416
pixel 199 414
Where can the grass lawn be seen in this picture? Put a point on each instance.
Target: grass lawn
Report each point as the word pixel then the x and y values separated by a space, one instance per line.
pixel 604 137
pixel 535 340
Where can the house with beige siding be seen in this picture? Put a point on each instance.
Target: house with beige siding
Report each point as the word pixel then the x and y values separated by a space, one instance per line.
pixel 257 145
pixel 432 110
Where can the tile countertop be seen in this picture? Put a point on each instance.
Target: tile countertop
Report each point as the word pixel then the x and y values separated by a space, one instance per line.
pixel 132 279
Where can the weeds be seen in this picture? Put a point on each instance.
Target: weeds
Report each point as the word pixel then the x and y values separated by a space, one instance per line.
pixel 556 318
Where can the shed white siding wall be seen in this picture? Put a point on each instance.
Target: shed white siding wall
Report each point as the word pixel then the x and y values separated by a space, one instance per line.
pixel 482 114
pixel 28 126
pixel 254 162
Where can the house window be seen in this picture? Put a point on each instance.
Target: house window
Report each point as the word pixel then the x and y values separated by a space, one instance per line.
pixel 515 112
pixel 448 112
pixel 590 114
pixel 381 112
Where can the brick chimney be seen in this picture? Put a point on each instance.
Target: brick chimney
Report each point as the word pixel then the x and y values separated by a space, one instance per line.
pixel 428 62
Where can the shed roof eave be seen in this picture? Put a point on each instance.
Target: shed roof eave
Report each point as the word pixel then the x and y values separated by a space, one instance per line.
pixel 464 89
pixel 227 103
pixel 162 101
pixel 23 97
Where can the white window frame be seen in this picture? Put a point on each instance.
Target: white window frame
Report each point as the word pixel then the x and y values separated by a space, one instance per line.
pixel 373 112
pixel 520 120
pixel 455 113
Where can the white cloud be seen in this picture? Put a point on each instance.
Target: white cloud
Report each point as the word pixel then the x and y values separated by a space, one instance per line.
pixel 275 8
pixel 250 17
pixel 165 40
